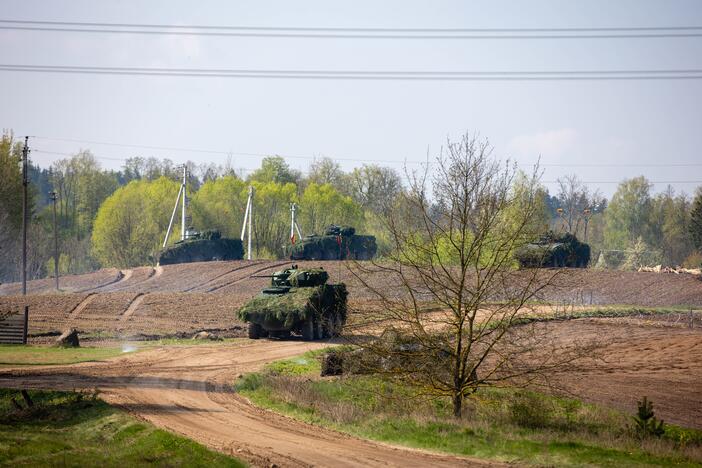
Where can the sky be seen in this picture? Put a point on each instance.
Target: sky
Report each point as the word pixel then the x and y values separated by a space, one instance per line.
pixel 561 123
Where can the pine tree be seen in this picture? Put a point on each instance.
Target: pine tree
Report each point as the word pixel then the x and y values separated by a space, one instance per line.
pixel 645 420
pixel 696 221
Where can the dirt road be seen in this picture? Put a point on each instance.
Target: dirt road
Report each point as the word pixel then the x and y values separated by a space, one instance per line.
pixel 188 391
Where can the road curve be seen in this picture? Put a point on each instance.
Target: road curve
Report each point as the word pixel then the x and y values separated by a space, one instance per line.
pixel 188 390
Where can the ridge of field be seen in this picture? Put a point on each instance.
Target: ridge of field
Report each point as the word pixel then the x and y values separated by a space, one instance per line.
pixel 594 286
pixel 185 298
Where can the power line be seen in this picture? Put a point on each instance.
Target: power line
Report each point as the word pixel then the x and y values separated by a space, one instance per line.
pixel 357 33
pixel 509 75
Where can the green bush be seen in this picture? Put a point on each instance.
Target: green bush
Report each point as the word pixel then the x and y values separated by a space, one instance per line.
pixel 530 410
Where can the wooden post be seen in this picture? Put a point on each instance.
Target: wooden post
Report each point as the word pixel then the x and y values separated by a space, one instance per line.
pixel 26 324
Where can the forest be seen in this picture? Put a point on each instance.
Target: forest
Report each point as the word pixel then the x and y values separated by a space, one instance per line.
pixel 118 218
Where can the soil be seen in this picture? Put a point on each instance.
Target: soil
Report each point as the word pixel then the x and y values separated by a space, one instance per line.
pixel 189 391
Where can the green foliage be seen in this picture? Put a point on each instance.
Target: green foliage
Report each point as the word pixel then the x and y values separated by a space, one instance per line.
pixel 528 409
pixel 74 429
pixel 322 205
pixel 628 214
pixel 220 204
pixel 274 169
pixel 64 264
pixel 131 224
pixel 645 422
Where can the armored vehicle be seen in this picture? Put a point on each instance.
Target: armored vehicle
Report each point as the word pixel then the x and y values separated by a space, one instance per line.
pixel 297 301
pixel 555 250
pixel 204 246
pixel 337 243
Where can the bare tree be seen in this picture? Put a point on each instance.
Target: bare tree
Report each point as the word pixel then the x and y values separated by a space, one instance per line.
pixel 449 288
pixel 577 204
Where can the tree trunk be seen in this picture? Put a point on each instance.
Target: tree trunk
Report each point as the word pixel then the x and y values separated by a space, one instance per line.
pixel 457 405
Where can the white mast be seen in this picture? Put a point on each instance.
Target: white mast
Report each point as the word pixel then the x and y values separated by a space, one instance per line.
pixel 170 223
pixel 293 222
pixel 248 216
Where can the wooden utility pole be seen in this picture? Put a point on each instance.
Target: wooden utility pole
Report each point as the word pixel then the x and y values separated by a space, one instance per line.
pixel 52 196
pixel 25 211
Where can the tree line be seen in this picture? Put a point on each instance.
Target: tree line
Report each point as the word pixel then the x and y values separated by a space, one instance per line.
pixel 119 218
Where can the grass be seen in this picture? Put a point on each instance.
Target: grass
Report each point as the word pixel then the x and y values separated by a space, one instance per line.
pixel 508 425
pixel 74 429
pixel 14 355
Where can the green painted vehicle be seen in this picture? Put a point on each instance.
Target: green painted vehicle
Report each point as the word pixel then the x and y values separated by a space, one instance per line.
pixel 555 250
pixel 298 301
pixel 205 246
pixel 337 243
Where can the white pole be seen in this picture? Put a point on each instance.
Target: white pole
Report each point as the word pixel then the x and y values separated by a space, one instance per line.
pixel 185 202
pixel 292 221
pixel 170 223
pixel 243 225
pixel 251 194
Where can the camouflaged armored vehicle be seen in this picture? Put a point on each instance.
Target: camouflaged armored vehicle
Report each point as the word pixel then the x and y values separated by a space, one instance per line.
pixel 298 301
pixel 337 243
pixel 555 250
pixel 204 246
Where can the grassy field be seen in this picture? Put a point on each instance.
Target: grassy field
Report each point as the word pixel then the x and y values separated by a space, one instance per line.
pixel 13 355
pixel 502 424
pixel 73 429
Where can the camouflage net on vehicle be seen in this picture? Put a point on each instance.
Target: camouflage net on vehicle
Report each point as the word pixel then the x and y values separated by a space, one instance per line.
pixel 296 306
pixel 555 250
pixel 202 250
pixel 327 248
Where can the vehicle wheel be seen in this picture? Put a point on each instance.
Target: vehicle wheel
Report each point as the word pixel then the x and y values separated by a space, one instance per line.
pixel 308 330
pixel 255 331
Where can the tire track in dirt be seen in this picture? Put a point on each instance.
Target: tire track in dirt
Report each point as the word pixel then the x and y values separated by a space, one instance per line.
pixel 233 270
pixel 244 278
pixel 73 314
pixel 132 307
pixel 119 277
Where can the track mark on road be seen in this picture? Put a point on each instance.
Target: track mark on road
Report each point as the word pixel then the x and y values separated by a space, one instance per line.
pixel 234 270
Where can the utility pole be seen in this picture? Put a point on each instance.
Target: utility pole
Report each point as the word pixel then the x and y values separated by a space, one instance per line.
pixel 185 203
pixel 52 196
pixel 248 216
pixel 293 223
pixel 25 211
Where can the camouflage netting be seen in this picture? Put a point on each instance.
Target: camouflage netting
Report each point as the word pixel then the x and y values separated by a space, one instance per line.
pixel 285 311
pixel 202 250
pixel 327 247
pixel 555 250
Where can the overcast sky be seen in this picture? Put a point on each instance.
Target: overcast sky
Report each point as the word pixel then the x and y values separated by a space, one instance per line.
pixel 580 122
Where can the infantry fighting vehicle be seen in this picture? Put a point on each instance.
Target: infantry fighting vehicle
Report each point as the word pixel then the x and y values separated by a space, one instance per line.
pixel 555 250
pixel 337 243
pixel 203 246
pixel 298 301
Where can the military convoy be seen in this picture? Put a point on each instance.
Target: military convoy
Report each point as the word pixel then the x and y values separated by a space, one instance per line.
pixel 337 243
pixel 204 246
pixel 555 250
pixel 297 301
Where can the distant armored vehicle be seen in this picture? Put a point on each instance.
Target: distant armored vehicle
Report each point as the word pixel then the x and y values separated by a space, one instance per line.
pixel 202 247
pixel 337 243
pixel 297 301
pixel 555 250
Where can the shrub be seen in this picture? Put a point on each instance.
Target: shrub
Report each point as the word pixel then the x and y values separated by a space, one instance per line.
pixel 529 410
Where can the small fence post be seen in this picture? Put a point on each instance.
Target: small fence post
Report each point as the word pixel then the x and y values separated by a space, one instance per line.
pixel 26 324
